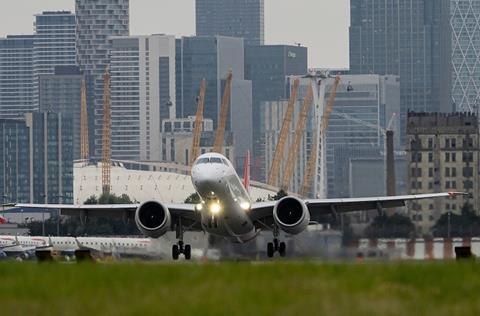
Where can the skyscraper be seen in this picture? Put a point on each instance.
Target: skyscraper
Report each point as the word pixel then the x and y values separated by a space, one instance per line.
pixel 406 38
pixel 36 159
pixel 24 58
pixel 142 94
pixel 236 18
pixel 54 43
pixel 267 67
pixel 211 58
pixel 17 80
pixel 465 24
pixel 96 22
pixel 60 93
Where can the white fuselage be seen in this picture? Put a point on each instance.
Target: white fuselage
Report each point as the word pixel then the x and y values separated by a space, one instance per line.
pixel 225 201
pixel 128 246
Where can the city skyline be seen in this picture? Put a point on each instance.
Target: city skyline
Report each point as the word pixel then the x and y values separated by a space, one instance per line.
pixel 144 20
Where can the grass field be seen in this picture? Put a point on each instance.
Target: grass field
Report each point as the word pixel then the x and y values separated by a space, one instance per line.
pixel 288 288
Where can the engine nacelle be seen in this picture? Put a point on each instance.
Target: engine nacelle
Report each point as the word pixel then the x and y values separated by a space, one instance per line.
pixel 291 215
pixel 153 219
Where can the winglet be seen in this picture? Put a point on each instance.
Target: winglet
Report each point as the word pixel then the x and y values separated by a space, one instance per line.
pixel 246 176
pixel 454 194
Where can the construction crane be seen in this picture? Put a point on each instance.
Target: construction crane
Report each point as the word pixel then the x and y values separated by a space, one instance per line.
pixel 220 135
pixel 197 131
pixel 327 111
pixel 299 130
pixel 106 150
pixel 282 138
pixel 84 148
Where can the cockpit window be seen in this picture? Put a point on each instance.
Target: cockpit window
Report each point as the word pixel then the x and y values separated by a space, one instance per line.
pixel 212 160
pixel 216 160
pixel 203 160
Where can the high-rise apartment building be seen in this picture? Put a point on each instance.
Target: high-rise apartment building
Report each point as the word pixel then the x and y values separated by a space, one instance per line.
pixel 142 72
pixel 211 58
pixel 97 21
pixel 406 38
pixel 442 155
pixel 465 24
pixel 24 58
pixel 17 79
pixel 235 18
pixel 54 43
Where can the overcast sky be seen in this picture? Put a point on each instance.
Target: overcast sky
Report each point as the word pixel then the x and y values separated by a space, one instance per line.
pixel 321 25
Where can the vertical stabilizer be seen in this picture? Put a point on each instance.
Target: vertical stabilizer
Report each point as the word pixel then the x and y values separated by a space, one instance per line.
pixel 246 176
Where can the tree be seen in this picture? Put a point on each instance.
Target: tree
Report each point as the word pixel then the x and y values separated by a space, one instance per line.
pixel 109 198
pixel 193 198
pixel 467 224
pixel 395 226
pixel 91 200
pixel 280 194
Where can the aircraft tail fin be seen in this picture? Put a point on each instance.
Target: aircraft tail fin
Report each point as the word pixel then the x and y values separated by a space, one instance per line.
pixel 246 176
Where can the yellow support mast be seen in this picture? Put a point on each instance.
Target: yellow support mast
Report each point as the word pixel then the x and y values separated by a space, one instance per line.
pixel 280 148
pixel 197 132
pixel 310 170
pixel 299 131
pixel 220 135
pixel 84 147
pixel 106 150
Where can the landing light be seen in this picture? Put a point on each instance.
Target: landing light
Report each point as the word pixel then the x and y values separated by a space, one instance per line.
pixel 245 206
pixel 215 208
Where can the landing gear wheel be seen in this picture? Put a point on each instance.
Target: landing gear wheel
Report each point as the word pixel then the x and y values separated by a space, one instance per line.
pixel 175 252
pixel 270 249
pixel 282 249
pixel 187 252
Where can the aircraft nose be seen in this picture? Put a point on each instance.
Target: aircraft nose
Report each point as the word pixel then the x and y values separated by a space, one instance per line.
pixel 208 176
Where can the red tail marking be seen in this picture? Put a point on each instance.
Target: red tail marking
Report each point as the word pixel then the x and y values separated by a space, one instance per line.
pixel 246 176
pixel 3 220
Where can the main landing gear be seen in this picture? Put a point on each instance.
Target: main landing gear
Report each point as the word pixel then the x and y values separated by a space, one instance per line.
pixel 275 246
pixel 180 247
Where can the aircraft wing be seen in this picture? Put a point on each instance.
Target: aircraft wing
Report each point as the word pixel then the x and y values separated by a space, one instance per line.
pixel 119 211
pixel 318 207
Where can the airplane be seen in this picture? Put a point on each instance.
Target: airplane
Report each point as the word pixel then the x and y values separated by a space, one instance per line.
pixel 226 209
pixel 68 245
pixel 10 246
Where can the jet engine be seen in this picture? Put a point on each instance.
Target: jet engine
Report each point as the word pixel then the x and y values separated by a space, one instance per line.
pixel 291 215
pixel 153 219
